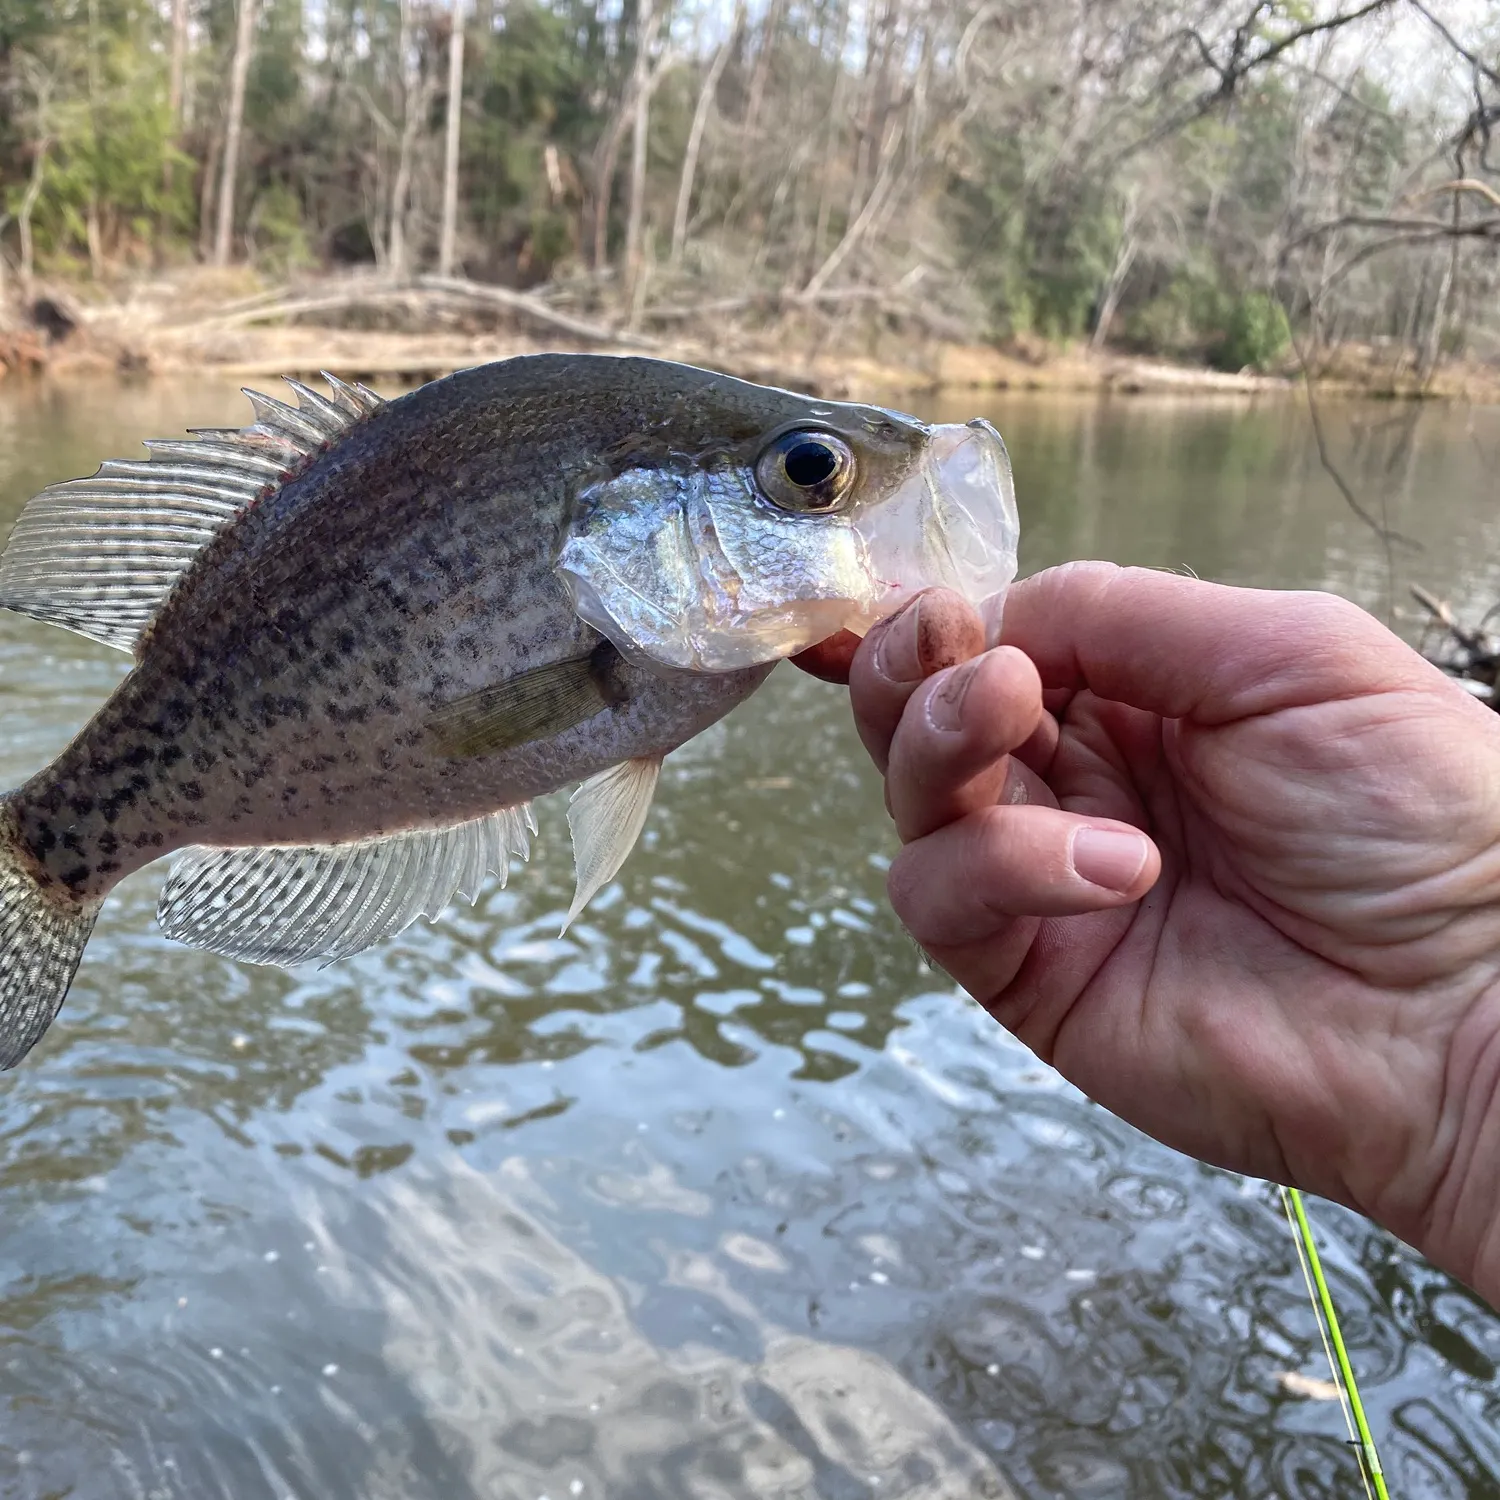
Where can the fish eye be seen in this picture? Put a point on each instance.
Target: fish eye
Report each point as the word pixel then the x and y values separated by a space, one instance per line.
pixel 805 472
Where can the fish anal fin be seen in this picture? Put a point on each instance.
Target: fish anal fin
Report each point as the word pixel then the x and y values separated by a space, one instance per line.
pixel 605 816
pixel 534 705
pixel 289 905
pixel 100 555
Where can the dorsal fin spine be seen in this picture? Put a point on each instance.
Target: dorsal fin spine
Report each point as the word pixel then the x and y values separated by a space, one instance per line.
pixel 309 402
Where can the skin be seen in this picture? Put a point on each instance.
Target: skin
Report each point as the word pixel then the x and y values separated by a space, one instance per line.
pixel 1281 956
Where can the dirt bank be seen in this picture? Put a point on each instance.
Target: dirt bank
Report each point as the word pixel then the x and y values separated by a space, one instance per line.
pixel 372 331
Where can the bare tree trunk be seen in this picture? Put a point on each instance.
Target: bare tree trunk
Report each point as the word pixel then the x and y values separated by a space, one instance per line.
pixel 1413 315
pixel 91 214
pixel 94 238
pixel 856 230
pixel 706 96
pixel 606 155
pixel 206 199
pixel 448 241
pixel 1434 349
pixel 179 63
pixel 23 216
pixel 830 149
pixel 867 114
pixel 1124 259
pixel 640 131
pixel 244 42
pixel 175 80
pixel 762 66
pixel 410 119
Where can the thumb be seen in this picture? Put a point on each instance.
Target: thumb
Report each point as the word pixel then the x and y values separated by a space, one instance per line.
pixel 829 660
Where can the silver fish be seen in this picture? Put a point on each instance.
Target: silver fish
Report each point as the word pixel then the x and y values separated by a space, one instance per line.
pixel 367 633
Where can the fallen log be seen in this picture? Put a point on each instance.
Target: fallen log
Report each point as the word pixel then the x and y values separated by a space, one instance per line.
pixel 1470 656
pixel 410 293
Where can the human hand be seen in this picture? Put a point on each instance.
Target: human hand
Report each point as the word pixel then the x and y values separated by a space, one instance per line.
pixel 1239 879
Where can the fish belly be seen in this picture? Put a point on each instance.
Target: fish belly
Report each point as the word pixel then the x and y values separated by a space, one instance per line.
pixel 326 754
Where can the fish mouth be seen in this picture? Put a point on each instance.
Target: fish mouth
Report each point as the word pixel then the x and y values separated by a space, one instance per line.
pixel 692 573
pixel 952 524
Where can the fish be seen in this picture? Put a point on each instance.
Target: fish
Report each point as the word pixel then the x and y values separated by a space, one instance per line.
pixel 367 633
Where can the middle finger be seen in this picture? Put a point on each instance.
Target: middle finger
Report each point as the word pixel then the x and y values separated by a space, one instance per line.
pixel 952 752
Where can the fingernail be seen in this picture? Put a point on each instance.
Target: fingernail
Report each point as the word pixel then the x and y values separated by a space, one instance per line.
pixel 945 707
pixel 1109 858
pixel 896 654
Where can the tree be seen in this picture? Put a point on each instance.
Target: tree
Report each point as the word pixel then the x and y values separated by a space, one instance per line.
pixel 451 141
pixel 239 72
pixel 1131 172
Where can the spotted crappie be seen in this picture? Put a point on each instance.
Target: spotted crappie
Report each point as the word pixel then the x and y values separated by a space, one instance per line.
pixel 367 633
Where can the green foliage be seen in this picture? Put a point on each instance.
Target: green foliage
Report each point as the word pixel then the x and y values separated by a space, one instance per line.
pixel 1255 334
pixel 1183 318
pixel 277 230
pixel 92 100
pixel 1038 260
pixel 1069 250
pixel 531 88
pixel 1032 184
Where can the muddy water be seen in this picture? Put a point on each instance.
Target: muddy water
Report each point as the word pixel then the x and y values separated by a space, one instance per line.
pixel 725 1194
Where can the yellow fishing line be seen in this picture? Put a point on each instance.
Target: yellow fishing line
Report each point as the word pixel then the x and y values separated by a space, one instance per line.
pixel 1333 1345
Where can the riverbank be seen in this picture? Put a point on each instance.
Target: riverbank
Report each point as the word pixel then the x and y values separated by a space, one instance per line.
pixel 373 331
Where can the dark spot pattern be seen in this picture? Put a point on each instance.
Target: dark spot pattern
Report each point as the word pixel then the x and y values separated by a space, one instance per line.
pixel 283 691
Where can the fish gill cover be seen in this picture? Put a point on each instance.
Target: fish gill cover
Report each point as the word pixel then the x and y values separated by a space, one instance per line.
pixel 711 570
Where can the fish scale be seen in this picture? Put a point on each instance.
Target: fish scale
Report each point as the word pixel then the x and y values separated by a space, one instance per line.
pixel 412 564
pixel 367 633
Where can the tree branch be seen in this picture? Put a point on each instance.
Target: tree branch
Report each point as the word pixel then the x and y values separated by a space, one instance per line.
pixel 1473 60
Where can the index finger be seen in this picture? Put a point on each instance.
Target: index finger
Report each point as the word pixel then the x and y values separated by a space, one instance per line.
pixel 1183 648
pixel 937 629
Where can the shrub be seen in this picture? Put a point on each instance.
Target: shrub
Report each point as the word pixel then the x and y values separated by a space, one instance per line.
pixel 1255 333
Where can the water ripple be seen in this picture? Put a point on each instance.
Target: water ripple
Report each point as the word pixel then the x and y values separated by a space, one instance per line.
pixel 724 1194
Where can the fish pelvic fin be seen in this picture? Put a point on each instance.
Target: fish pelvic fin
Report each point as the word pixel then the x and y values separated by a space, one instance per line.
pixel 533 705
pixel 325 902
pixel 605 816
pixel 43 930
pixel 101 555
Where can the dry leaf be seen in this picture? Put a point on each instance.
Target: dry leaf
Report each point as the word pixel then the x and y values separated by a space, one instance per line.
pixel 1307 1385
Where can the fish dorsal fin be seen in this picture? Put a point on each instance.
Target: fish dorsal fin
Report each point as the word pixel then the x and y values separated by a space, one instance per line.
pixel 280 905
pixel 100 555
pixel 605 817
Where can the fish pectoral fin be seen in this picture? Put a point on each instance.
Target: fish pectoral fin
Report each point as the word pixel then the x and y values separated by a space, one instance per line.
pixel 533 706
pixel 605 817
pixel 289 905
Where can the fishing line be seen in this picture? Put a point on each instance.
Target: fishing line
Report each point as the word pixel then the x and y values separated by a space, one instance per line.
pixel 1360 1436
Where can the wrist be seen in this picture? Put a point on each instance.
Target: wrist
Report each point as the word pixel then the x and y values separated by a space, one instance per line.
pixel 1460 1227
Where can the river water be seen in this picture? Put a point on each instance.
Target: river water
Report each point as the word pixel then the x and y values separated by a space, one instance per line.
pixel 725 1194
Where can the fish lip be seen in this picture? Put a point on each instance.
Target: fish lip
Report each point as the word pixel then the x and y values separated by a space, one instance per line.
pixel 951 523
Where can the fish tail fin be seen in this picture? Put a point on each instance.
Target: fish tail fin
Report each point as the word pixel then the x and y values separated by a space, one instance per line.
pixel 42 932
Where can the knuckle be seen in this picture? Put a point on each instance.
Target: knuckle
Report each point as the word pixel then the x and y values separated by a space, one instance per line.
pixel 1090 570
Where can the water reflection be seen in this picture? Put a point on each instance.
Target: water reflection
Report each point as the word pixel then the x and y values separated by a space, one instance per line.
pixel 721 1195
